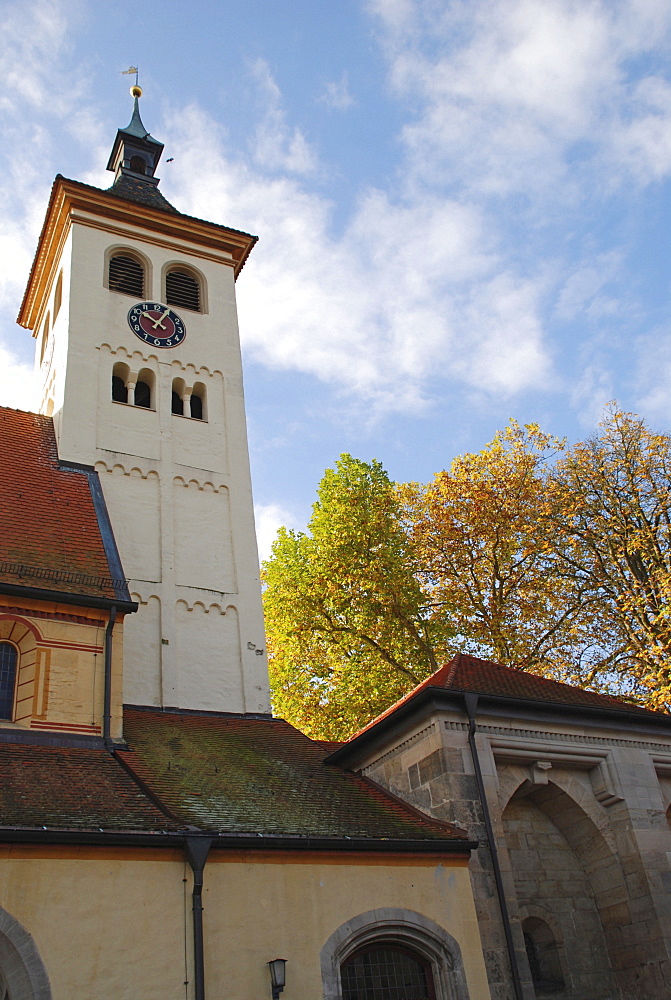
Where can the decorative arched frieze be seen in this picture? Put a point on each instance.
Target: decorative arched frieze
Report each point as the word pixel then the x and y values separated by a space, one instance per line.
pixel 191 373
pixel 135 359
pixel 401 928
pixel 206 485
pixel 119 469
pixel 20 962
pixel 207 609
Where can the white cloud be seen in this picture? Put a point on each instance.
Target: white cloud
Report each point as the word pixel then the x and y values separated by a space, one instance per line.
pixel 508 90
pixel 269 519
pixel 653 375
pixel 430 279
pixel 409 288
pixel 42 96
pixel 592 392
pixel 337 94
pixel 33 35
pixel 17 382
pixel 588 288
pixel 276 145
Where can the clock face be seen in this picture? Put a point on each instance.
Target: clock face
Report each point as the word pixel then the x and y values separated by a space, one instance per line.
pixel 156 324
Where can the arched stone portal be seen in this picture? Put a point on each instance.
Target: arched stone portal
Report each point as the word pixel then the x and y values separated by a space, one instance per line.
pixel 21 967
pixel 565 878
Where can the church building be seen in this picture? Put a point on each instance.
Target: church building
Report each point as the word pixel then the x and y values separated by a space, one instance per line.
pixel 493 836
pixel 162 835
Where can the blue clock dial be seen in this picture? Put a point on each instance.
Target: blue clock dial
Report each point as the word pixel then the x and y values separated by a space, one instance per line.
pixel 156 324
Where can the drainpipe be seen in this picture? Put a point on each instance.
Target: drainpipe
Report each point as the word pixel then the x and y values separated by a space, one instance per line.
pixel 471 701
pixel 197 849
pixel 107 704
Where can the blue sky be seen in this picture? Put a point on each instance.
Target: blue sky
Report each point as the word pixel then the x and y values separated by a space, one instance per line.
pixel 463 207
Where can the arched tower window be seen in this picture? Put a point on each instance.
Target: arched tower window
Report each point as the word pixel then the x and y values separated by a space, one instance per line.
pixel 138 165
pixel 386 972
pixel 126 274
pixel 144 389
pixel 58 296
pixel 178 396
pixel 45 337
pixel 198 402
pixel 8 660
pixel 120 374
pixel 182 289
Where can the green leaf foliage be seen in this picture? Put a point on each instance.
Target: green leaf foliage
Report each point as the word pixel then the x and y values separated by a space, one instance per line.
pixel 348 630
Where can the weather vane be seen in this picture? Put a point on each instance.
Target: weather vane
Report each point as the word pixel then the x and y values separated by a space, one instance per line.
pixel 130 70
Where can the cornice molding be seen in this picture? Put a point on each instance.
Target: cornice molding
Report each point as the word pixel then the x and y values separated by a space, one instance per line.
pixel 72 201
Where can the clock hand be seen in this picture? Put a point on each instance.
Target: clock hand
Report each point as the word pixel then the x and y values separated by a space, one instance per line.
pixel 158 321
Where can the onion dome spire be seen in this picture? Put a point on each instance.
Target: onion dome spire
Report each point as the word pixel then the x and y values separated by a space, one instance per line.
pixel 135 152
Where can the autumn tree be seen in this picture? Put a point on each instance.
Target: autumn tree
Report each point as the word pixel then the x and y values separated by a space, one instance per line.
pixel 487 549
pixel 612 508
pixel 347 623
pixel 554 560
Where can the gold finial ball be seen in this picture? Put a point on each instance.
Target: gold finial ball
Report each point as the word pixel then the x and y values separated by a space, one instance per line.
pixel 135 91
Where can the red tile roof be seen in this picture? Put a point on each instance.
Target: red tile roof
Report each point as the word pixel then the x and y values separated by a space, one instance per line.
pixel 238 775
pixel 49 532
pixel 468 673
pixel 72 788
pixel 231 776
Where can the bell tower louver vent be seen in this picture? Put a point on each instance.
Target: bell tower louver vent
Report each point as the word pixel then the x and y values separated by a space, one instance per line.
pixel 182 289
pixel 126 275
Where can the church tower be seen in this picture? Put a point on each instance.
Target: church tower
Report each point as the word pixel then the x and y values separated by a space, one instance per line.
pixel 133 307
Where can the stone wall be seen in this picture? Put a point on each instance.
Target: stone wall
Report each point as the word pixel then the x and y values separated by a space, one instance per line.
pixel 583 840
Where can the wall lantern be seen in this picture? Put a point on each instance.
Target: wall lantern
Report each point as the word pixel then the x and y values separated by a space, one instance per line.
pixel 277 975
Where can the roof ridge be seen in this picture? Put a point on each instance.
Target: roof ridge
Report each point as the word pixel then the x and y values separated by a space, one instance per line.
pixel 142 785
pixel 453 669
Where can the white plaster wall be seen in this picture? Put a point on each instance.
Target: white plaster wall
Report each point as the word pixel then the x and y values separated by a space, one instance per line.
pixel 203 542
pixel 214 631
pixel 138 534
pixel 142 643
pixel 198 537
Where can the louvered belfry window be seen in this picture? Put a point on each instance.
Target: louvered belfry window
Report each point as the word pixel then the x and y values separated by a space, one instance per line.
pixel 182 289
pixel 126 274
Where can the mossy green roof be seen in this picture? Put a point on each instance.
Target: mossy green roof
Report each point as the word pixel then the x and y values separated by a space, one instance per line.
pixel 241 775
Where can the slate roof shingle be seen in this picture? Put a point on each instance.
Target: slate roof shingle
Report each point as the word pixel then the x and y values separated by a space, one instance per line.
pixel 50 535
pixel 136 189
